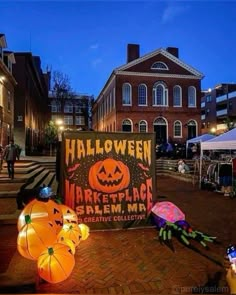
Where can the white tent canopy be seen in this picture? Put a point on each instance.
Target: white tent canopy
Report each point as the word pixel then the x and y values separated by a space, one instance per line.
pixel 199 139
pixel 226 141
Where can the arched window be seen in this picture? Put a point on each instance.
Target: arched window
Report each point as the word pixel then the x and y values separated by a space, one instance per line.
pixel 191 97
pixel 126 94
pixel 127 125
pixel 177 96
pixel 55 106
pixel 159 94
pixel 143 126
pixel 159 66
pixel 68 107
pixel 177 129
pixel 142 95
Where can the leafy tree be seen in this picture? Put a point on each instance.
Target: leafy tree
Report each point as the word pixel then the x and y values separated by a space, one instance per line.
pixel 51 134
pixel 229 123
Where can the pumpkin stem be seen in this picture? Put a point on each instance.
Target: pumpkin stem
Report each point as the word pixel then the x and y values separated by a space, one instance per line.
pixel 50 251
pixel 27 219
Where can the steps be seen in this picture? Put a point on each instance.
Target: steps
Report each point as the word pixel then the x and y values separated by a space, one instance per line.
pixel 29 175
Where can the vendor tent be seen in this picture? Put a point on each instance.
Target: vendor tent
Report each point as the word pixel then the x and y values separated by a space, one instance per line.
pixel 225 141
pixel 199 139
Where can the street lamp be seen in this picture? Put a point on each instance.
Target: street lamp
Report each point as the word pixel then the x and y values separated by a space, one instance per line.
pixel 59 123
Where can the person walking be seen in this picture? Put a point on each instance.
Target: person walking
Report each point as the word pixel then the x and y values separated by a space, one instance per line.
pixel 10 155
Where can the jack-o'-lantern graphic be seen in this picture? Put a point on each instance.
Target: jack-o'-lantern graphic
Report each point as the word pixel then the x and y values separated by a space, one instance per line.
pixel 109 176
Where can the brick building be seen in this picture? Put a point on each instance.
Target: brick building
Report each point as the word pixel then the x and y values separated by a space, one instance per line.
pixel 218 108
pixel 74 111
pixel 7 85
pixel 154 93
pixel 31 102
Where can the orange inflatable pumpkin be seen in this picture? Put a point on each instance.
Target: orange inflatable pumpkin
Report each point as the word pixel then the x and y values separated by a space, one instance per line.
pixel 67 242
pixel 34 237
pixel 109 176
pixel 56 263
pixel 84 231
pixel 42 210
pixel 70 231
pixel 69 215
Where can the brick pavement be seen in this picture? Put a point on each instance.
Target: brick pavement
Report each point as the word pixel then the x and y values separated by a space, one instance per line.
pixel 132 261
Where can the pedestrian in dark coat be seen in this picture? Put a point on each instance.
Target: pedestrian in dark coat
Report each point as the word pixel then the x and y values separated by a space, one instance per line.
pixel 10 155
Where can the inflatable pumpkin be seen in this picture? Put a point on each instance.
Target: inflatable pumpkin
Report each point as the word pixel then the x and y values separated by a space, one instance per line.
pixel 84 231
pixel 69 215
pixel 67 242
pixel 42 210
pixel 56 263
pixel 70 231
pixel 34 237
pixel 109 176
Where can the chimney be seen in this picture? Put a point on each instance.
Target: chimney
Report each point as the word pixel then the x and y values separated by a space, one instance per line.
pixel 173 50
pixel 132 52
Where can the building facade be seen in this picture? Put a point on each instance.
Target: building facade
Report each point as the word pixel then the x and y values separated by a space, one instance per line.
pixel 154 93
pixel 7 85
pixel 73 111
pixel 32 111
pixel 218 108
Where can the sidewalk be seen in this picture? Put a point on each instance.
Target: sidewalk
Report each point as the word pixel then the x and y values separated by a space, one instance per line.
pixel 133 261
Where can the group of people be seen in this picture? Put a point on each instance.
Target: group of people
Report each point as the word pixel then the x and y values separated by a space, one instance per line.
pixel 10 154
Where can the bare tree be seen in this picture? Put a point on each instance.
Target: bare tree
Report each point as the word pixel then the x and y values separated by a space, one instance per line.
pixel 61 87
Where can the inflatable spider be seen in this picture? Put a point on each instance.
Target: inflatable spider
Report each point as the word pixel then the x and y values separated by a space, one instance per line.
pixel 170 220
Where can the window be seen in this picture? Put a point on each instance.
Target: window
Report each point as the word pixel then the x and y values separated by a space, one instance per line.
pixel 177 129
pixel 143 126
pixel 159 66
pixel 68 108
pixel 177 99
pixel 126 94
pixel 68 120
pixel 159 94
pixel 9 101
pixel 142 95
pixel 127 125
pixel 55 107
pixel 79 120
pixel 191 97
pixel 78 108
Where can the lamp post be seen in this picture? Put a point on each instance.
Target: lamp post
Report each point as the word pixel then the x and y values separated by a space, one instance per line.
pixel 59 123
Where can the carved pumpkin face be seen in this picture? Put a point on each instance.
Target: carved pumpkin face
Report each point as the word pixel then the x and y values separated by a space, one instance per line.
pixel 69 215
pixel 42 210
pixel 109 176
pixel 56 263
